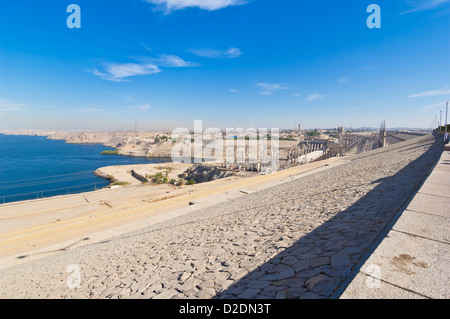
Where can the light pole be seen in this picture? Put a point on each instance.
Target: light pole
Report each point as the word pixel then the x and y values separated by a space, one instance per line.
pixel 446 115
pixel 436 123
pixel 440 122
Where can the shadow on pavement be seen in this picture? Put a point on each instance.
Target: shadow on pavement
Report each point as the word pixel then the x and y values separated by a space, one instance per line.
pixel 321 264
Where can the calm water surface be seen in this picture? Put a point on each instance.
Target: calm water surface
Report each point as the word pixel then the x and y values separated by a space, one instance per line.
pixel 34 167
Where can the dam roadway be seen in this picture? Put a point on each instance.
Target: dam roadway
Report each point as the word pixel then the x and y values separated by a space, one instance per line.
pixel 302 236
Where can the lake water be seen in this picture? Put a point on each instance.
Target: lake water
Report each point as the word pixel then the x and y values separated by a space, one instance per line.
pixel 33 167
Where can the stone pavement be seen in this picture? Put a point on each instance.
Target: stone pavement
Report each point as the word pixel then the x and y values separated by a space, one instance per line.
pixel 413 260
pixel 299 239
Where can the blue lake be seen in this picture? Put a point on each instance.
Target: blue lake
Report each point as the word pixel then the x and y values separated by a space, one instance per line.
pixel 33 167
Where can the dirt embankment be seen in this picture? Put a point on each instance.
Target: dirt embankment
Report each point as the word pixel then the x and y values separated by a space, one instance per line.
pixel 124 173
pixel 164 173
pixel 202 173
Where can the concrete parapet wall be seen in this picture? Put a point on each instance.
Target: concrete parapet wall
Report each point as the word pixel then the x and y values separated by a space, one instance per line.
pixel 139 177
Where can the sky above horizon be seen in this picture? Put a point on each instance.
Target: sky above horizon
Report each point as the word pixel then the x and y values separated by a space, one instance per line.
pixel 230 63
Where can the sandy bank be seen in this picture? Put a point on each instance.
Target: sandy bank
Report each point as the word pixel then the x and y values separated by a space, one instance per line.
pixel 123 173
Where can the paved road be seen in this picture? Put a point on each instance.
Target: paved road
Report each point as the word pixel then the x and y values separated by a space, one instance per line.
pixel 300 239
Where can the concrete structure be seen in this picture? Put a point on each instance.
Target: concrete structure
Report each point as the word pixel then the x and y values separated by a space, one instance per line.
pixel 412 260
pixel 383 134
pixel 298 233
pixel 313 145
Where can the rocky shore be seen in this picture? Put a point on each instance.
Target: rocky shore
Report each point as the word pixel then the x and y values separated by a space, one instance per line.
pixel 156 144
pixel 129 143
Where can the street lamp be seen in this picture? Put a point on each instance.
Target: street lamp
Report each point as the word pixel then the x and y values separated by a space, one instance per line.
pixel 446 115
pixel 436 123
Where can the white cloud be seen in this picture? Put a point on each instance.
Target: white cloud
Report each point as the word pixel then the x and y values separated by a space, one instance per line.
pixel 170 61
pixel 119 72
pixel 343 80
pixel 233 53
pixel 428 107
pixel 431 93
pixel 422 5
pixel 8 106
pixel 146 47
pixel 210 5
pixel 296 94
pixel 233 90
pixel 316 97
pixel 270 88
pixel 212 53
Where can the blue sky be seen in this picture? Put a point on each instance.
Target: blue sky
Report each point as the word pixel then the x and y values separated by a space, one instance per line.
pixel 255 63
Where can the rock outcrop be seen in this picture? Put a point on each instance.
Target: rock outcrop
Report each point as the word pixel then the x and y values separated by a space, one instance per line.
pixel 202 173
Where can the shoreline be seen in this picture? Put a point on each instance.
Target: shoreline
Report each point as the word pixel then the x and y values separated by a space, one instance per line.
pixel 124 173
pixel 139 144
pixel 16 192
